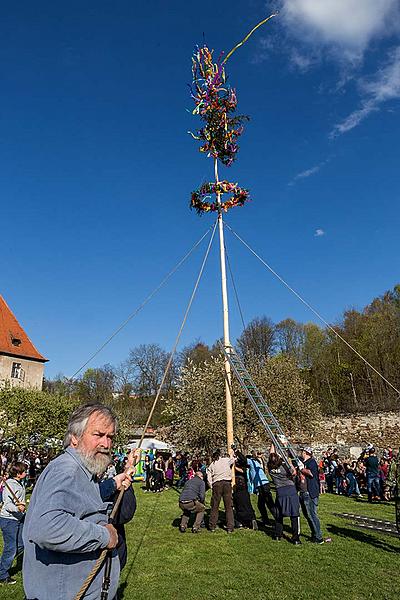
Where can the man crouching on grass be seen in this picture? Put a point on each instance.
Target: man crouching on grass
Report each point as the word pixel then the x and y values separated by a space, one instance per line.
pixel 192 500
pixel 67 525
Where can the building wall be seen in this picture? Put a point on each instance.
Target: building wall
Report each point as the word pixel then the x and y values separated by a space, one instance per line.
pixel 33 372
pixel 351 433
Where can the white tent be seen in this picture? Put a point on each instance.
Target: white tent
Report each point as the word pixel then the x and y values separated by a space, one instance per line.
pixel 150 444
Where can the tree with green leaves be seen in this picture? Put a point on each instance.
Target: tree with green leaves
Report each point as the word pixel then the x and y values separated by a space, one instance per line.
pixel 28 414
pixel 290 338
pixel 96 385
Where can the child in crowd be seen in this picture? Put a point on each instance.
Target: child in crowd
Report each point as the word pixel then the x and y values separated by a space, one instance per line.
pixel 322 481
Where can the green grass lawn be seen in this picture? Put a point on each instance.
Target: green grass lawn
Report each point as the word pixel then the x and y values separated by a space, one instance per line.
pixel 164 564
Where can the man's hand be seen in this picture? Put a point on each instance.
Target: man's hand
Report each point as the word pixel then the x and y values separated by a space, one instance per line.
pixel 21 507
pixel 123 479
pixel 307 473
pixel 113 536
pixel 133 458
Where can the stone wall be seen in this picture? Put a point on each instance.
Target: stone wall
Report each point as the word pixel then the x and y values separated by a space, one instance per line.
pixel 351 433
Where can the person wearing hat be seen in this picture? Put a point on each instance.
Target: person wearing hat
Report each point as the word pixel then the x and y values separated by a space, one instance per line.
pixel 309 497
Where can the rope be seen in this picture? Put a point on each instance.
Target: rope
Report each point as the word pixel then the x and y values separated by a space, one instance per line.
pixel 103 554
pixel 179 333
pixel 234 288
pixel 316 313
pixel 142 305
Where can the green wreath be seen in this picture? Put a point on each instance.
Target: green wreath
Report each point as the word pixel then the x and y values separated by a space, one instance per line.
pixel 238 198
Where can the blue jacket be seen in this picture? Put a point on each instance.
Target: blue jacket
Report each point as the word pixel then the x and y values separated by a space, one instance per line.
pixel 257 476
pixel 312 482
pixel 64 533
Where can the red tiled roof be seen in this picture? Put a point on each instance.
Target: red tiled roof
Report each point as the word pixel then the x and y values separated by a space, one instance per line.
pixel 13 339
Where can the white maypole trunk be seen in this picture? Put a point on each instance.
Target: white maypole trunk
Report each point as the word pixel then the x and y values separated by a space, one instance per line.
pixel 227 343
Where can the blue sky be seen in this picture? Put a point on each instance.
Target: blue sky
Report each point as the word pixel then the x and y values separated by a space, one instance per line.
pixel 97 166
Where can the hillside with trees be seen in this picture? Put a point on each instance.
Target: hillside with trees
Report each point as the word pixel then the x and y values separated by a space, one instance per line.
pixel 295 364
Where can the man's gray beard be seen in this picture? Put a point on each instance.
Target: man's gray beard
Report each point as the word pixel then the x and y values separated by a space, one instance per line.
pixel 97 464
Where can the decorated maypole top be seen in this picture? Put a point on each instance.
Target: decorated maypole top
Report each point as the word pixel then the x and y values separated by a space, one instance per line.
pixel 216 103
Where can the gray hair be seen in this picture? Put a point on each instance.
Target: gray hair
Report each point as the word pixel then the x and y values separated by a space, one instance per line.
pixel 78 420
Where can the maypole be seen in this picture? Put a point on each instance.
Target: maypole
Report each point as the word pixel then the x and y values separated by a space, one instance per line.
pixel 225 310
pixel 215 103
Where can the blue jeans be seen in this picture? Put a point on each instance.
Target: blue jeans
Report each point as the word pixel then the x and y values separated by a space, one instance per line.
pixel 13 544
pixel 353 485
pixel 182 480
pixel 373 481
pixel 310 511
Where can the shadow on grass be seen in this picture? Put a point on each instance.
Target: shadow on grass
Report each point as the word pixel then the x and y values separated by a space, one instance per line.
pixel 221 519
pixel 127 572
pixel 360 536
pixel 268 528
pixel 17 565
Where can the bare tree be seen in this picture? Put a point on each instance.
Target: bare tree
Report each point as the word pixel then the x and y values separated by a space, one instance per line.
pixel 258 339
pixel 125 379
pixel 148 363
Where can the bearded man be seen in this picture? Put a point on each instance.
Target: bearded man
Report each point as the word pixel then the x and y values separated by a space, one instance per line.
pixel 66 526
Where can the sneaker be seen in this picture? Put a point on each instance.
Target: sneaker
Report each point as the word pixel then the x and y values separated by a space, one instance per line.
pixel 296 542
pixel 276 538
pixel 254 525
pixel 319 542
pixel 8 581
pixel 212 529
pixel 182 529
pixel 195 530
pixel 229 531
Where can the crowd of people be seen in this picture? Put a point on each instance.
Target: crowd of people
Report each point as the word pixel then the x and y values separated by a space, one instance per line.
pixel 369 474
pixel 296 489
pixel 34 460
pixel 234 478
pixel 67 526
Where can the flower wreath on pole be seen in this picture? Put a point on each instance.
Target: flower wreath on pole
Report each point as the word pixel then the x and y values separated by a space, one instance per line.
pixel 199 203
pixel 215 104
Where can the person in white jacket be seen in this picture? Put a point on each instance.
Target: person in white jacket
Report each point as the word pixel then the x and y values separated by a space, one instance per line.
pixel 12 516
